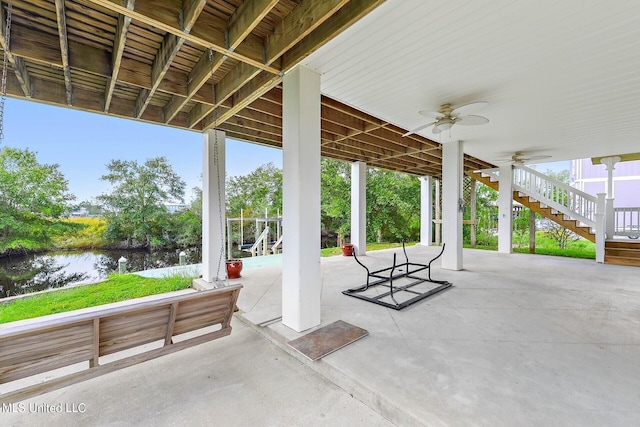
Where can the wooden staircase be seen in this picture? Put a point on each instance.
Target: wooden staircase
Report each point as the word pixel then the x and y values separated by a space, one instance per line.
pixel 622 252
pixel 540 208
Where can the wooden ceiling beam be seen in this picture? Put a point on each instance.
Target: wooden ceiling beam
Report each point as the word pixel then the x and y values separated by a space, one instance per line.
pixel 327 31
pixel 355 154
pixel 206 66
pixel 64 49
pixel 256 87
pixel 166 54
pixel 306 17
pixel 248 15
pixel 17 63
pixel 267 107
pixel 40 47
pixel 168 21
pixel 342 119
pixel 120 39
pixel 259 116
pixel 249 124
pixel 250 134
pixel 346 109
pixel 310 38
pixel 241 23
pixel 232 133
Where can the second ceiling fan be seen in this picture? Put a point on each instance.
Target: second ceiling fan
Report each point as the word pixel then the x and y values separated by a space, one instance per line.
pixel 447 116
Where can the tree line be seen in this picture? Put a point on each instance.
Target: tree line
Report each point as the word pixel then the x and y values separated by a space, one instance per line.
pixel 35 202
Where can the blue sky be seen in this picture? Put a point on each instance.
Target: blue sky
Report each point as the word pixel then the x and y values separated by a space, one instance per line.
pixel 83 143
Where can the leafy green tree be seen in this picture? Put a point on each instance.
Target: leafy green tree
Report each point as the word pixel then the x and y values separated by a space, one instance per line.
pixel 393 206
pixel 486 215
pixel 255 192
pixel 188 224
pixel 134 208
pixel 33 197
pixel 335 193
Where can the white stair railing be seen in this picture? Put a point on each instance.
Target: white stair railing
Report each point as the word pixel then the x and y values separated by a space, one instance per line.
pixel 261 241
pixel 586 209
pixel 559 196
pixel 627 222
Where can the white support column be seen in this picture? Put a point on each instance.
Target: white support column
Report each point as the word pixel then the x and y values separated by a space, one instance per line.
pixel 301 275
pixel 505 209
pixel 426 210
pixel 600 228
pixel 213 206
pixel 451 197
pixel 359 207
pixel 610 225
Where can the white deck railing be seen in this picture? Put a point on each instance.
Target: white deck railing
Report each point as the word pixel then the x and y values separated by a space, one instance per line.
pixel 627 222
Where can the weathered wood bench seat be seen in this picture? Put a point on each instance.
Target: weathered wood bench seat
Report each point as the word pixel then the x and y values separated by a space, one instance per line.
pixel 30 349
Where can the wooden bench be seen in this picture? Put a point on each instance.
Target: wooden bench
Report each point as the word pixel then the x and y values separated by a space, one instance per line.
pixel 30 349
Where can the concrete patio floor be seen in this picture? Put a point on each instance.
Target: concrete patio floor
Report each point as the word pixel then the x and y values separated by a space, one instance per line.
pixel 519 340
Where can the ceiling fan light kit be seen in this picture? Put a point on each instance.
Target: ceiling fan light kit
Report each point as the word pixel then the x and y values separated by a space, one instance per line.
pixel 520 157
pixel 448 116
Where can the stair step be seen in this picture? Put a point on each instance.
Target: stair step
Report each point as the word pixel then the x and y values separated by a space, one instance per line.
pixel 622 252
pixel 633 262
pixel 619 243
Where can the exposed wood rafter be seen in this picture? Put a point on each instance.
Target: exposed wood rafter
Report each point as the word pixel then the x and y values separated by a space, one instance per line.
pixel 311 36
pixel 64 49
pixel 168 50
pixel 116 54
pixel 17 63
pixel 160 19
pixel 242 22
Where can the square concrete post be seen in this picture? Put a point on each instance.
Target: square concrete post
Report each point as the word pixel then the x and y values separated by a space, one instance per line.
pixel 610 225
pixel 359 207
pixel 505 209
pixel 426 210
pixel 213 206
pixel 600 228
pixel 451 202
pixel 301 275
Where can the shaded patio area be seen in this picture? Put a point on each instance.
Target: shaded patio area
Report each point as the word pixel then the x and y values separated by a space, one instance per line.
pixel 518 340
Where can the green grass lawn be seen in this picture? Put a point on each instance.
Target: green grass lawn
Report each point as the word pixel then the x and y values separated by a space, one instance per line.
pixel 115 288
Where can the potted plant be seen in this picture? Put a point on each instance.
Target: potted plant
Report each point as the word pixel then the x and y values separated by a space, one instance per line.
pixel 234 267
pixel 347 249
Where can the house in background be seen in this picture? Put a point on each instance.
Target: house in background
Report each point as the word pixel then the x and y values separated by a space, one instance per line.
pixel 592 179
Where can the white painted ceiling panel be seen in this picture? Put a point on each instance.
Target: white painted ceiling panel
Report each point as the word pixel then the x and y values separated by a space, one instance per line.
pixel 562 78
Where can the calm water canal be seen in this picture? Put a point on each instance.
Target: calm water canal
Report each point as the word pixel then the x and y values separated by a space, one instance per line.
pixel 32 273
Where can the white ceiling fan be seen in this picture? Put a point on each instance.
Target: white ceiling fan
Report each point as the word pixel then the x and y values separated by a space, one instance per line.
pixel 447 116
pixel 520 158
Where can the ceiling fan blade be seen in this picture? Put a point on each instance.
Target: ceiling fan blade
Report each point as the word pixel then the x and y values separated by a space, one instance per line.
pixel 472 120
pixel 419 128
pixel 463 110
pixel 540 157
pixel 437 130
pixel 431 114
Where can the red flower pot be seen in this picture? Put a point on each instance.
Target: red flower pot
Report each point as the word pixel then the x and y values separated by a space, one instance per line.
pixel 234 267
pixel 347 250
